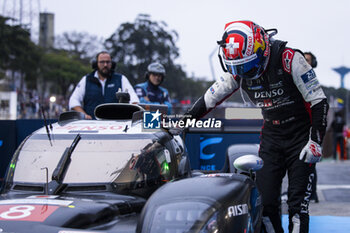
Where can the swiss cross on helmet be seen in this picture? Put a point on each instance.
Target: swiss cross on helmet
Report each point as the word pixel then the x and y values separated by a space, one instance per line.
pixel 244 49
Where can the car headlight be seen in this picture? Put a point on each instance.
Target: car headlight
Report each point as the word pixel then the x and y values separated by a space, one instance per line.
pixel 182 217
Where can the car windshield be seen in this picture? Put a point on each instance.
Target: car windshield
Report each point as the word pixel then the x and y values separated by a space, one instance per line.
pixel 95 159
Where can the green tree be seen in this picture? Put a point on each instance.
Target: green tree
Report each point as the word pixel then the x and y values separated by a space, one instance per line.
pixel 59 71
pixel 79 44
pixel 17 52
pixel 135 45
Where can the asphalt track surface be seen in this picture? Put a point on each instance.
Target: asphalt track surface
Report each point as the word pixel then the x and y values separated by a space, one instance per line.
pixel 332 213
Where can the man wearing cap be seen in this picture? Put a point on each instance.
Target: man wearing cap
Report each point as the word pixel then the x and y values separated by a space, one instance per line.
pixel 150 92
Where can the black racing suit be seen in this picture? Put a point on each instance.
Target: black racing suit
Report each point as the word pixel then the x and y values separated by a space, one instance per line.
pixel 294 109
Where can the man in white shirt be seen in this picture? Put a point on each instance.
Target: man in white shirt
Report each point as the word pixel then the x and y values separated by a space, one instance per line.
pixel 100 87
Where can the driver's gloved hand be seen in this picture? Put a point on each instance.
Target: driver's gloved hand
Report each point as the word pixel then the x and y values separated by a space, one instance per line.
pixel 311 153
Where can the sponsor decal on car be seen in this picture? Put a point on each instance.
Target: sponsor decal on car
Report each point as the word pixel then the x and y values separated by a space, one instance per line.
pixel 104 128
pixel 208 152
pixel 258 201
pixel 79 231
pixel 208 142
pixel 237 210
pixel 40 201
pixel 217 175
pixel 44 196
pixel 33 213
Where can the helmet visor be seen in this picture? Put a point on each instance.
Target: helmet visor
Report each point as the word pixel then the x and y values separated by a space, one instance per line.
pixel 248 67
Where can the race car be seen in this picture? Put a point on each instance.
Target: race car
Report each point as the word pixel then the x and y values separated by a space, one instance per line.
pixel 112 175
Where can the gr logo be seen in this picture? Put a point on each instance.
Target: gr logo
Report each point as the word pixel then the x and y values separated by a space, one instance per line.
pixel 205 143
pixel 151 120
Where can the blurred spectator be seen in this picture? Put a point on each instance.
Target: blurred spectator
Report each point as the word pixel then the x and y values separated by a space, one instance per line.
pixel 311 59
pixel 337 125
pixel 150 92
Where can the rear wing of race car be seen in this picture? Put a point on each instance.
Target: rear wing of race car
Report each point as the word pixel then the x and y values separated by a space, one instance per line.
pixel 116 111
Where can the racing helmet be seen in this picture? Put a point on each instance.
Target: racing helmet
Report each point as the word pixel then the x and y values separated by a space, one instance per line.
pixel 244 49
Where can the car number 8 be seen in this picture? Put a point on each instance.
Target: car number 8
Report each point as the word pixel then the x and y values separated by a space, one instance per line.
pixel 22 210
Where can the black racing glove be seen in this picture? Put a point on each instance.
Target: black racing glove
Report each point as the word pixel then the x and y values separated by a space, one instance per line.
pixel 319 121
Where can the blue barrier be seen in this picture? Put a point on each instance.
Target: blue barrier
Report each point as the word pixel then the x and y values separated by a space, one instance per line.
pixel 207 147
pixel 8 138
pixel 207 151
pixel 27 126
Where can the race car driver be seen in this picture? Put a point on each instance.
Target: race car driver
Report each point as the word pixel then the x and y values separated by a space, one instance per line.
pixel 294 107
pixel 150 92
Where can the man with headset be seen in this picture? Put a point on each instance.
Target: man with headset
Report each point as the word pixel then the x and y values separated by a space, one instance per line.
pixel 100 87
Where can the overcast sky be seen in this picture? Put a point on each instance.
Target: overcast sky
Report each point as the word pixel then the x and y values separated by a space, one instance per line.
pixel 321 27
